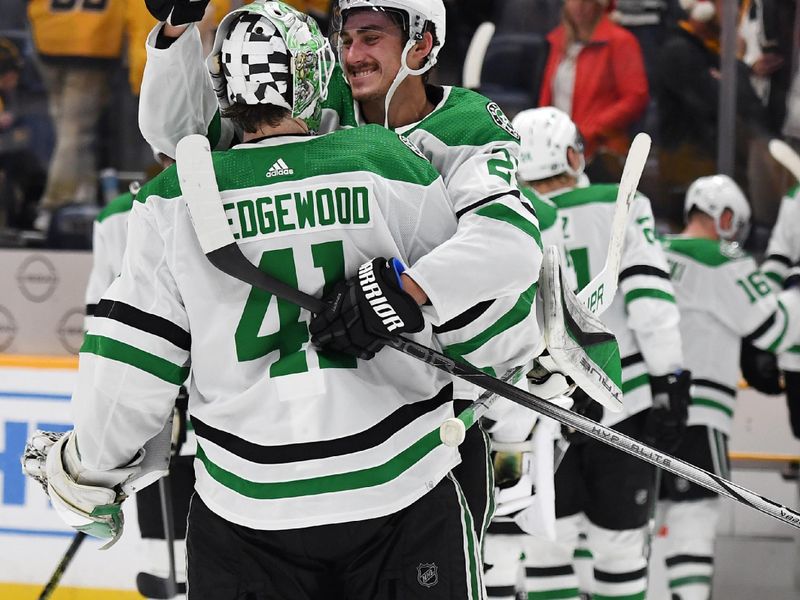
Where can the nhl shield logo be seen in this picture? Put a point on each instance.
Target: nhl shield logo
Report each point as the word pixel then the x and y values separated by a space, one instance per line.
pixel 427 574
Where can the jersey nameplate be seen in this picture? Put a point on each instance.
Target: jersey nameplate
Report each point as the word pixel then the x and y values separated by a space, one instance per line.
pixel 287 211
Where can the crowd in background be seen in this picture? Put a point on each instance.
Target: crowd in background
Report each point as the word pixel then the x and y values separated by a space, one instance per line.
pixel 70 72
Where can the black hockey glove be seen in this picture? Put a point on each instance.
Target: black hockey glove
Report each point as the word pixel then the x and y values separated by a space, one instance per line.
pixel 760 369
pixel 793 400
pixel 365 310
pixel 584 406
pixel 177 12
pixel 793 278
pixel 666 420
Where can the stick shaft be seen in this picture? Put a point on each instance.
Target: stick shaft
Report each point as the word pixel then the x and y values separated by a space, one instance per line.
pixel 55 578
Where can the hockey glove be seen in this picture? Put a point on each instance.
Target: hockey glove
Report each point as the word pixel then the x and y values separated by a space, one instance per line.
pixel 584 406
pixel 365 310
pixel 177 12
pixel 666 420
pixel 88 501
pixel 760 369
pixel 792 279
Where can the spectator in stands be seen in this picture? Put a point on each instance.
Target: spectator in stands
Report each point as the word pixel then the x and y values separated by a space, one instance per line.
pixel 688 103
pixel 21 175
pixel 77 49
pixel 595 73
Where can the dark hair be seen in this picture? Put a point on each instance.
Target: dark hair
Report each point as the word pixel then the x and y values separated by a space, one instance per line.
pixel 251 117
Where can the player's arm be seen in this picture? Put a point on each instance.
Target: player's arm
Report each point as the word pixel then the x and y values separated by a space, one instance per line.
pixel 645 285
pixel 177 96
pixel 783 250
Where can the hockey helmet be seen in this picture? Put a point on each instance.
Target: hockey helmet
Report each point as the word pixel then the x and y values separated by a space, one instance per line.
pixel 418 17
pixel 715 194
pixel 545 136
pixel 270 53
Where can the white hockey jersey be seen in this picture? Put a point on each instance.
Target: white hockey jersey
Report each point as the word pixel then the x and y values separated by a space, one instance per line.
pixel 783 252
pixel 724 297
pixel 643 315
pixel 468 140
pixel 287 436
pixel 109 236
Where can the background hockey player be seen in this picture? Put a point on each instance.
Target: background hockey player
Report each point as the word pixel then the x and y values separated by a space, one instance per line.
pixel 723 298
pixel 599 490
pixel 386 48
pixel 375 500
pixel 109 238
pixel 783 252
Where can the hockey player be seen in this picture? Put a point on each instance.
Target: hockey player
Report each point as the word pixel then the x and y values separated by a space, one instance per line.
pixel 723 298
pixel 599 490
pixel 317 473
pixel 386 50
pixel 783 252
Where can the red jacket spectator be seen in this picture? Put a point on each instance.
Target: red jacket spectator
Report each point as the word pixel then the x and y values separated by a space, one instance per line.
pixel 610 91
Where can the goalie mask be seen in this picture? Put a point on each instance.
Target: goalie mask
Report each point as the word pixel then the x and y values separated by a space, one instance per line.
pixel 545 136
pixel 713 196
pixel 417 17
pixel 270 53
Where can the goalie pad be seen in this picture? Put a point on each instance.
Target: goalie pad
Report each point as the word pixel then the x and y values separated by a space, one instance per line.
pixel 578 343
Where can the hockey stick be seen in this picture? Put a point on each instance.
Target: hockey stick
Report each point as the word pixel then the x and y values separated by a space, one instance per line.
pixel 153 586
pixel 200 192
pixel 599 293
pixel 786 156
pixel 76 542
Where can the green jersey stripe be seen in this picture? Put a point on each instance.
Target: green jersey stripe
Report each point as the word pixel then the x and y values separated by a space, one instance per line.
pixel 501 212
pixel 120 204
pixel 469 533
pixel 691 580
pixel 370 477
pixel 563 594
pixel 214 131
pixel 774 277
pixel 517 314
pixel 777 342
pixel 636 596
pixel 794 350
pixel 144 361
pixel 635 383
pixel 649 293
pixel 708 403
pixel 582 553
pixel 597 193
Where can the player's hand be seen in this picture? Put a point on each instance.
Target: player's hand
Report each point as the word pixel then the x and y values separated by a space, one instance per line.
pixel 586 407
pixel 177 12
pixel 666 420
pixel 365 310
pixel 88 501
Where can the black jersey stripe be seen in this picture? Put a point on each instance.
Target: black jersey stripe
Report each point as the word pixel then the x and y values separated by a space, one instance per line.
pixel 504 528
pixel 761 329
pixel 607 577
pixel 465 318
pixel 779 258
pixel 143 321
pixel 91 309
pixel 682 559
pixel 633 359
pixel 479 203
pixel 500 591
pixel 715 386
pixel 289 453
pixel 549 571
pixel 643 270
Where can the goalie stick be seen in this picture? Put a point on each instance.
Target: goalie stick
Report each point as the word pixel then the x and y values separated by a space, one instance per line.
pixel 786 156
pixel 76 542
pixel 600 291
pixel 201 194
pixel 597 295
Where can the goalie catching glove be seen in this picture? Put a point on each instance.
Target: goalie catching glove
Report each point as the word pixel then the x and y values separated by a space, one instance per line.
pixel 177 12
pixel 365 310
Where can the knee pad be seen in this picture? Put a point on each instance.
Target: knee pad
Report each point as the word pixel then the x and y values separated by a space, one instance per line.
pixel 612 545
pixel 502 555
pixel 692 526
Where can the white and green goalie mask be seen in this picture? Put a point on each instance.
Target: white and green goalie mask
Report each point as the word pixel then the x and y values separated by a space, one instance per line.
pixel 270 53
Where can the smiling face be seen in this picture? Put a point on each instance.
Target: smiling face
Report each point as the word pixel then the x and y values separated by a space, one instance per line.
pixel 371 47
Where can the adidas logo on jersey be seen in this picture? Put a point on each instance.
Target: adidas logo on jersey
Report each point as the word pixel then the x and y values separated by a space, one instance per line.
pixel 279 168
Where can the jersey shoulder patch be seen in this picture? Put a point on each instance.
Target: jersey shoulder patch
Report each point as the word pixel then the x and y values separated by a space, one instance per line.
pixel 711 253
pixel 467 118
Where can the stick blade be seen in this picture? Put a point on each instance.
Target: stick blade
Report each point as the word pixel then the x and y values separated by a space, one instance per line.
pixel 786 156
pixel 152 586
pixel 201 193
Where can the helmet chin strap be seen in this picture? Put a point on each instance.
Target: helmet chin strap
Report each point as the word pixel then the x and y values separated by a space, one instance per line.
pixel 402 73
